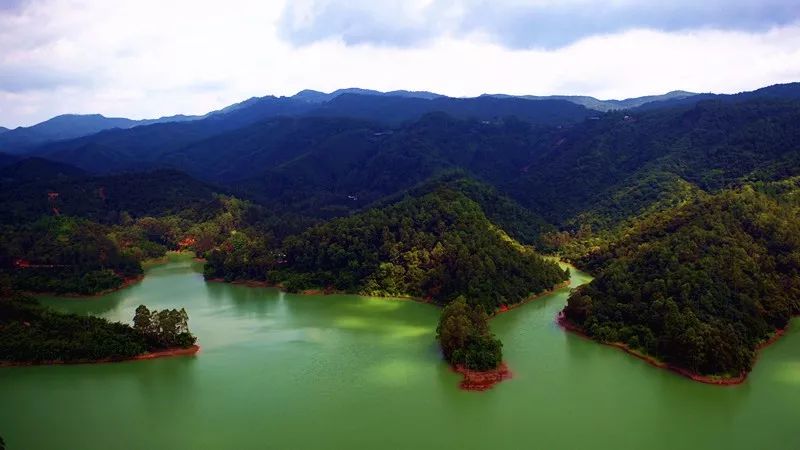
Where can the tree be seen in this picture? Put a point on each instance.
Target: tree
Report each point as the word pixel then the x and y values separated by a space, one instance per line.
pixel 142 320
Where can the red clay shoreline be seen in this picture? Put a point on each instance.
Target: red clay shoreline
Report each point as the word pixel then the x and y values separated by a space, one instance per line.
pixel 475 380
pixel 567 325
pixel 178 351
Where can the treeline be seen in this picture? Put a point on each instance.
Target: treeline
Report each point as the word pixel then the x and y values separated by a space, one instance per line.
pixel 31 333
pixel 438 246
pixel 699 286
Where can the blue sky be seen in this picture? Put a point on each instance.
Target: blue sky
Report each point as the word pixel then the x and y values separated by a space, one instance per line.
pixel 148 58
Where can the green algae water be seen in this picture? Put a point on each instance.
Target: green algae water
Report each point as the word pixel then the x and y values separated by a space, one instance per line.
pixel 281 371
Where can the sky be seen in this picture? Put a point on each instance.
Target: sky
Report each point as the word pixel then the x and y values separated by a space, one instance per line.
pixel 152 58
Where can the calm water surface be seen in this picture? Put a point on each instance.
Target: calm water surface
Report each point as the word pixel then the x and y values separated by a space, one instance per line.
pixel 291 372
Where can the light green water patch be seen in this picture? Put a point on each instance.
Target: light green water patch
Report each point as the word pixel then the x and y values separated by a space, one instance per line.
pixel 282 371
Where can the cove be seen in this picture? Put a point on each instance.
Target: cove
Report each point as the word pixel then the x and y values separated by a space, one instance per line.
pixel 286 371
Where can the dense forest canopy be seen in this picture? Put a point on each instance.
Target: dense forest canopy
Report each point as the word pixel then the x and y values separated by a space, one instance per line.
pixel 437 246
pixel 702 285
pixel 465 339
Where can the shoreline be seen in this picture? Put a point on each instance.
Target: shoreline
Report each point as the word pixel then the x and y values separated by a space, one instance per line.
pixel 166 353
pixel 474 380
pixel 426 301
pixel 507 308
pixel 716 380
pixel 165 258
pixel 126 283
pixel 319 291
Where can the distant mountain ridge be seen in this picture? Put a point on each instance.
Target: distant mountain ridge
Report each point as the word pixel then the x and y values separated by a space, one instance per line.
pixel 65 135
pixel 605 105
pixel 312 96
pixel 786 91
pixel 70 126
pixel 151 146
pixel 339 102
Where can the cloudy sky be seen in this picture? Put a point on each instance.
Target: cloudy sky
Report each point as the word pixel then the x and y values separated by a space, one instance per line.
pixel 149 58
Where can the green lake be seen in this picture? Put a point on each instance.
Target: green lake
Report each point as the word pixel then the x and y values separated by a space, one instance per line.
pixel 285 371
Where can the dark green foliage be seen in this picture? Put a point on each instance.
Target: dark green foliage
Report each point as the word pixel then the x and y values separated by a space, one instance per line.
pixel 464 336
pixel 106 199
pixel 605 171
pixel 360 166
pixel 71 281
pixel 64 255
pixel 437 246
pixel 36 169
pixel 167 328
pixel 701 285
pixel 31 333
pixel 520 223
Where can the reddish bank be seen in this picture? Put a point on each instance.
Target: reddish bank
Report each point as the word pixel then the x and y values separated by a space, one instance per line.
pixel 169 352
pixel 475 380
pixel 707 379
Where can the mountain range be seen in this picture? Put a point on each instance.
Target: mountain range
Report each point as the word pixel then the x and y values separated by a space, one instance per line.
pixel 349 102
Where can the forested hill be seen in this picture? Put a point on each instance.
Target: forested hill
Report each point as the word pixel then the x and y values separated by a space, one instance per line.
pixel 626 162
pixel 520 223
pixel 437 246
pixel 357 167
pixel 702 285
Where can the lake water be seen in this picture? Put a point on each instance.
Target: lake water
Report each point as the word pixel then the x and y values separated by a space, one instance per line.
pixel 286 371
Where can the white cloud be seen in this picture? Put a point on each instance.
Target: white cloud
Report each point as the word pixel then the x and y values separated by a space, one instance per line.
pixel 147 58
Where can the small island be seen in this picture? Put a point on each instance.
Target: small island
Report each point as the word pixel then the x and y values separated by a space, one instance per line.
pixel 470 347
